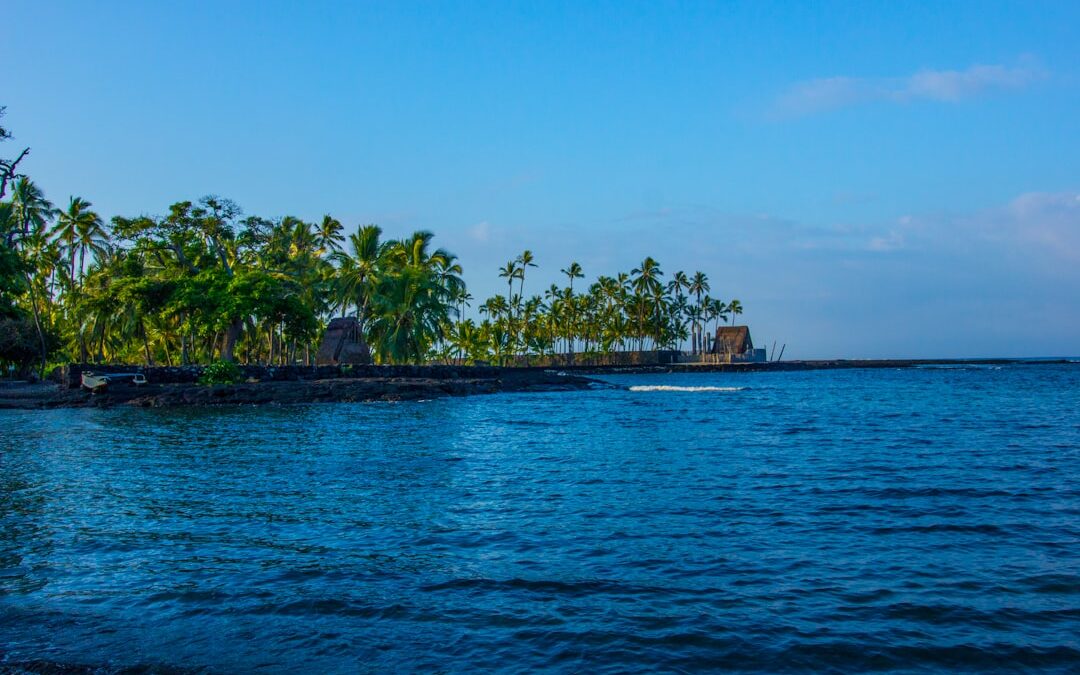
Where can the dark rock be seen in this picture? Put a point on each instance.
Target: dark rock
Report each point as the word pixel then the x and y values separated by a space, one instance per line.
pixel 404 383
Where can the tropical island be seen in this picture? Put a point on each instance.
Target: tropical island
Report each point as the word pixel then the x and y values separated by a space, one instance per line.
pixel 207 284
pixel 213 306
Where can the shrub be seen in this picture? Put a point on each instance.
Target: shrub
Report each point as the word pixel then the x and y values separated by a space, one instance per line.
pixel 19 342
pixel 221 372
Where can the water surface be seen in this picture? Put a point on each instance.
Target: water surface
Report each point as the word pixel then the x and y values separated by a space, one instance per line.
pixel 908 520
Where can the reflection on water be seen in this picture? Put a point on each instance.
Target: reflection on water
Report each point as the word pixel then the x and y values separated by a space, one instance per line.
pixel 924 519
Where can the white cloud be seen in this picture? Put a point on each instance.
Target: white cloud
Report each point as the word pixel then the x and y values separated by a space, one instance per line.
pixel 830 93
pixel 892 241
pixel 1049 221
pixel 481 232
pixel 953 85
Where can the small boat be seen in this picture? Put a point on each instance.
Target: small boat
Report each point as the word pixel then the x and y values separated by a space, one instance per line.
pixel 94 382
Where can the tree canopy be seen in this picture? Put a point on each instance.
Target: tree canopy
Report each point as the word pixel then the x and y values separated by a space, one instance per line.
pixel 206 282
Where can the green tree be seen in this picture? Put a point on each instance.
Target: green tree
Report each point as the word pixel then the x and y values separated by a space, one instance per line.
pixel 699 286
pixel 31 213
pixel 358 271
pixel 735 308
pixel 78 229
pixel 648 290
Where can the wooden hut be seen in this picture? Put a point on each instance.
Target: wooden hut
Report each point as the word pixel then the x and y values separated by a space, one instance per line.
pixel 734 345
pixel 343 344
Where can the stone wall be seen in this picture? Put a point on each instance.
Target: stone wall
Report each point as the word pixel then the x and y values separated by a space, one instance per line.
pixel 612 359
pixel 71 375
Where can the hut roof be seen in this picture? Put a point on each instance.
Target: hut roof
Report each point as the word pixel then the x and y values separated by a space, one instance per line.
pixel 342 344
pixel 733 340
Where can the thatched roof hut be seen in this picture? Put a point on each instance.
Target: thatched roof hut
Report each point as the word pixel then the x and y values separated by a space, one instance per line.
pixel 343 344
pixel 733 340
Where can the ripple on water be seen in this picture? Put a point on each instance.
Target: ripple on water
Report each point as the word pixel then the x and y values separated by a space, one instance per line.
pixel 837 521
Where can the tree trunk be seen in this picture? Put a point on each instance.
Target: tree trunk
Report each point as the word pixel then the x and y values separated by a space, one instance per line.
pixel 146 343
pixel 232 334
pixel 37 322
pixel 184 356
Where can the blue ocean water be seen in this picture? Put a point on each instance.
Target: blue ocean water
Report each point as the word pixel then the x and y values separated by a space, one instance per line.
pixel 851 520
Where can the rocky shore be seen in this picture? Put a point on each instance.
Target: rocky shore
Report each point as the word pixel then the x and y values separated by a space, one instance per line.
pixel 341 389
pixel 290 385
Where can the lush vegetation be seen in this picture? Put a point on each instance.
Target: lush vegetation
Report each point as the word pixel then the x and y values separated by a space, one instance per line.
pixel 204 283
pixel 639 310
pixel 221 372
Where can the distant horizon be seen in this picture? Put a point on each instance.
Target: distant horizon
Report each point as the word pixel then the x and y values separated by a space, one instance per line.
pixel 884 195
pixel 943 358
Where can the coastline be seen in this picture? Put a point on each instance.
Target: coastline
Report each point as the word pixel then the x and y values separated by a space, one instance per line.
pixel 817 364
pixel 411 383
pixel 288 392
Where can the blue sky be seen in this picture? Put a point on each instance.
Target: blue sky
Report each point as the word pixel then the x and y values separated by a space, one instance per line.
pixel 869 179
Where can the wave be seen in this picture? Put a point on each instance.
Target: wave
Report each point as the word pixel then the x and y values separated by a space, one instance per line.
pixel 957 366
pixel 667 387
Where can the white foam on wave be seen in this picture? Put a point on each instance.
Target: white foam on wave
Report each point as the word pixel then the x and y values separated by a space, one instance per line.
pixel 667 387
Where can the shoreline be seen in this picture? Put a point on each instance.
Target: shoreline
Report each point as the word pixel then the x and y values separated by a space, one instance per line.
pixel 817 364
pixel 285 392
pixel 416 383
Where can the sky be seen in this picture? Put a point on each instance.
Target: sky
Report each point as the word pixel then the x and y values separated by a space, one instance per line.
pixel 868 179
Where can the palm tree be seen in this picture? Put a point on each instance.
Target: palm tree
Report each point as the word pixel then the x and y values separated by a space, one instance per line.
pixel 66 231
pixel 524 260
pixel 31 212
pixel 29 208
pixel 329 234
pixel 77 230
pixel 463 298
pixel 646 284
pixel 510 271
pixel 696 315
pixel 495 307
pixel 463 339
pixel 572 272
pixel 679 282
pixel 719 310
pixel 409 317
pixel 190 285
pixel 736 308
pixel 358 272
pixel 414 296
pixel 699 285
pixel 91 236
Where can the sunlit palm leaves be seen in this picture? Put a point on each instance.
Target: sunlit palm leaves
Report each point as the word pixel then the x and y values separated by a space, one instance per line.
pixel 202 283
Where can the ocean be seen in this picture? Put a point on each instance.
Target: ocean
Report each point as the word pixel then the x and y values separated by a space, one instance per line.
pixel 909 520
